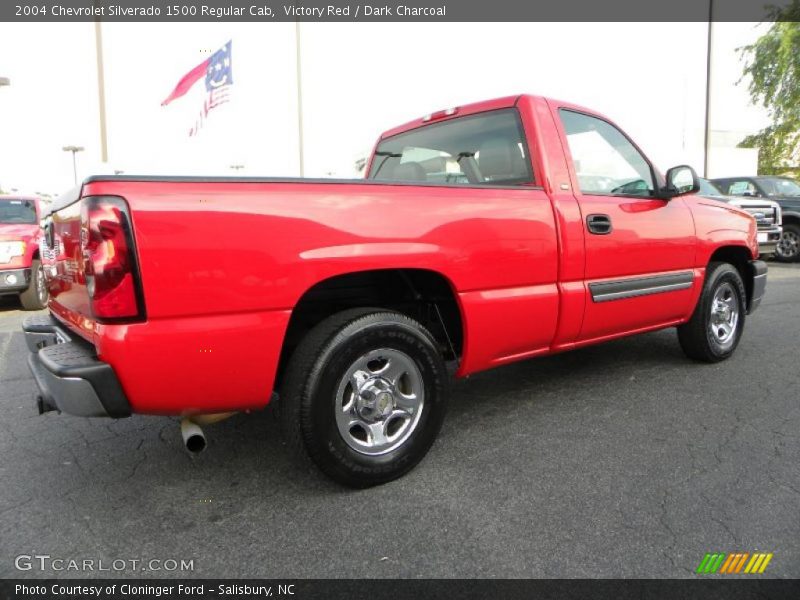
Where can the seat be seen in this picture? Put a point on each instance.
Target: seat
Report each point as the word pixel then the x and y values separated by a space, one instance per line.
pixel 500 159
pixel 409 171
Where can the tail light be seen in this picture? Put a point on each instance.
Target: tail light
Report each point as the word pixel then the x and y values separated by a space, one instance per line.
pixel 109 260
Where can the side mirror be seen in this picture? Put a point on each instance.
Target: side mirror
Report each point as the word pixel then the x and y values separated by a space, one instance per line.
pixel 680 180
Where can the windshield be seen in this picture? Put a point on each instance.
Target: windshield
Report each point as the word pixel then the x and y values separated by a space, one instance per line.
pixel 708 189
pixel 17 212
pixel 487 148
pixel 780 187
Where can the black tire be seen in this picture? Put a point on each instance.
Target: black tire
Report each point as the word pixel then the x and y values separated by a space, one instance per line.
pixel 788 249
pixel 35 297
pixel 314 378
pixel 696 337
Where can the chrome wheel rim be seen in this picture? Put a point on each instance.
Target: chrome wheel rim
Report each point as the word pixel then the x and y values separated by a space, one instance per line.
pixel 379 401
pixel 789 245
pixel 724 315
pixel 41 286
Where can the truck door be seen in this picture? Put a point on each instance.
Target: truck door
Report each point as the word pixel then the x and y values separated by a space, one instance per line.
pixel 639 248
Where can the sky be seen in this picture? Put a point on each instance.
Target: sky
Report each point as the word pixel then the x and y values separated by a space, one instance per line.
pixel 356 80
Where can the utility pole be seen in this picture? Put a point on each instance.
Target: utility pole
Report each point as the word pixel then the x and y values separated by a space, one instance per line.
pixel 299 98
pixel 74 150
pixel 101 91
pixel 707 139
pixel 4 81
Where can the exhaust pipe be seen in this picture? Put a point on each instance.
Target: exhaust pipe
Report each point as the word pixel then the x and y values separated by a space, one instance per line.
pixel 193 437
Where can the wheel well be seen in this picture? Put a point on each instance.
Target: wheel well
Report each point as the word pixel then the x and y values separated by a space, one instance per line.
pixel 791 219
pixel 739 257
pixel 426 296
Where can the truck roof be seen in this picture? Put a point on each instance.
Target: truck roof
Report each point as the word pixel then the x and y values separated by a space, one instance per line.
pixel 478 107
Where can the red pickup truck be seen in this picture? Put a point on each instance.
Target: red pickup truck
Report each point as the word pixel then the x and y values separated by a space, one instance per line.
pixel 21 271
pixel 482 235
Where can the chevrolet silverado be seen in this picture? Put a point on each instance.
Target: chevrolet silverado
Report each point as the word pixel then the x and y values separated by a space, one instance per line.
pixel 482 235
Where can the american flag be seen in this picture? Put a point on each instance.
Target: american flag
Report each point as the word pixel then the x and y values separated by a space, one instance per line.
pixel 218 72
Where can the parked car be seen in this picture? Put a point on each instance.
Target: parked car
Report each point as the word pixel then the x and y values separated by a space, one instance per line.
pixel 767 214
pixel 21 271
pixel 784 191
pixel 350 303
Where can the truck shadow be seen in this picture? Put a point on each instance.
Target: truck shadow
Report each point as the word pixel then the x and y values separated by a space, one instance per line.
pixel 550 384
pixel 9 303
pixel 247 464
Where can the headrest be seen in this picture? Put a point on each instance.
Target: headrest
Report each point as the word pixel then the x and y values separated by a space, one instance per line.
pixel 496 158
pixel 410 171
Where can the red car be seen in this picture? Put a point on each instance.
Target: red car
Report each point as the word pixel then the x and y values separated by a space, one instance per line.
pixel 483 235
pixel 21 272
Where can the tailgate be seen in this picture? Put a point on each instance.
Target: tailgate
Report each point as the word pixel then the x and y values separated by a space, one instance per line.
pixel 94 271
pixel 63 259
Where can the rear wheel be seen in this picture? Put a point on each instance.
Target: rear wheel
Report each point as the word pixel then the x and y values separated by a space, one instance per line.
pixel 714 330
pixel 35 297
pixel 788 248
pixel 364 396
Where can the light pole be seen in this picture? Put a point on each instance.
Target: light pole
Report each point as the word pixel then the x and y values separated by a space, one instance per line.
pixel 709 61
pixel 3 82
pixel 74 150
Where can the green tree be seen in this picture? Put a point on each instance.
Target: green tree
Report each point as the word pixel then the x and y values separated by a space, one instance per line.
pixel 773 65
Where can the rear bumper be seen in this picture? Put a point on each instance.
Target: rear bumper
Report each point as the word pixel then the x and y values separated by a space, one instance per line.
pixel 69 375
pixel 758 269
pixel 13 281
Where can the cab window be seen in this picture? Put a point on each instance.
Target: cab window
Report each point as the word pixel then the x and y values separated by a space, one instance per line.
pixel 484 149
pixel 742 188
pixel 605 160
pixel 17 211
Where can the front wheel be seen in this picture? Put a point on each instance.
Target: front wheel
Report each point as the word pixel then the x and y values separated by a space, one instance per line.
pixel 35 297
pixel 788 248
pixel 364 396
pixel 714 330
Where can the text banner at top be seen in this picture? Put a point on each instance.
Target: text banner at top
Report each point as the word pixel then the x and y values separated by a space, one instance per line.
pixel 266 11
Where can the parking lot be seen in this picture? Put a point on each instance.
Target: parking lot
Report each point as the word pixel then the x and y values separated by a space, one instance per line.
pixel 621 460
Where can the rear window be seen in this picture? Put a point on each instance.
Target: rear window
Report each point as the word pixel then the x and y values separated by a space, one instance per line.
pixel 487 148
pixel 17 211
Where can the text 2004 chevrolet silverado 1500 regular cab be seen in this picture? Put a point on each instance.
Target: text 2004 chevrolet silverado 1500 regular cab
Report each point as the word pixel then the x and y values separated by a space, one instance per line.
pixel 482 235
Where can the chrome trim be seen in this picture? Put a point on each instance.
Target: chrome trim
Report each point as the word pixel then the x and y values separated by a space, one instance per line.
pixel 605 291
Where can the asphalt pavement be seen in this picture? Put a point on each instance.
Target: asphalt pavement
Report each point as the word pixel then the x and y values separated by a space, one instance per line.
pixel 620 460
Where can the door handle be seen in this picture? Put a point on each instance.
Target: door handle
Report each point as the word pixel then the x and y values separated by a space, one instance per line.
pixel 599 224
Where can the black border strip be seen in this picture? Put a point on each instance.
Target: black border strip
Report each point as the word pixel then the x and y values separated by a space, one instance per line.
pixel 699 587
pixel 497 11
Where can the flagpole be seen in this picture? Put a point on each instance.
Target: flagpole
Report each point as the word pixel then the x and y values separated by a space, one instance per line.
pixel 299 99
pixel 101 91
